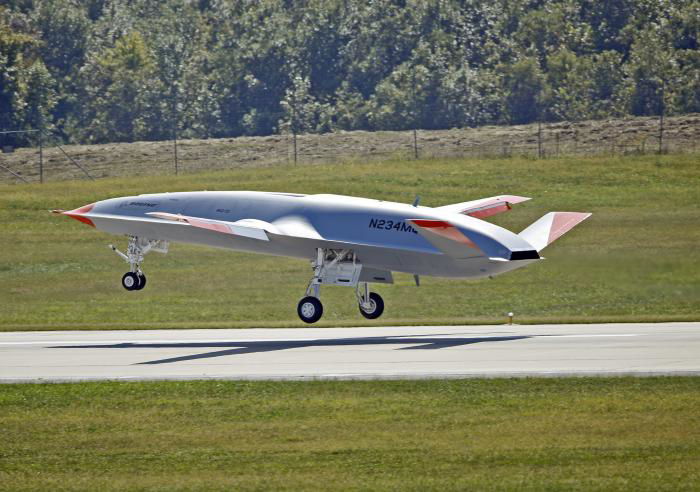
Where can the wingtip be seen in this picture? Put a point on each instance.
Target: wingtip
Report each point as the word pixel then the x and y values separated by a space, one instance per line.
pixel 516 198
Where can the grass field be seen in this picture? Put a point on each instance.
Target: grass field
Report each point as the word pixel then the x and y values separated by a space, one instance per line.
pixel 635 259
pixel 528 434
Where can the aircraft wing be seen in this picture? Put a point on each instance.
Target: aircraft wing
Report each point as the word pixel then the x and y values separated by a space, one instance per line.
pixel 484 207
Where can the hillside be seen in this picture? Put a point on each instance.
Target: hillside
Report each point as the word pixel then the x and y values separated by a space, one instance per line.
pixel 606 137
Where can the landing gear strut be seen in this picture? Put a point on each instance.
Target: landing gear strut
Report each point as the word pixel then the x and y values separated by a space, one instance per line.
pixel 337 267
pixel 137 248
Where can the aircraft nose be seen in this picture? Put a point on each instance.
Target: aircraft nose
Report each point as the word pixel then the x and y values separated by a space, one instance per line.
pixel 78 214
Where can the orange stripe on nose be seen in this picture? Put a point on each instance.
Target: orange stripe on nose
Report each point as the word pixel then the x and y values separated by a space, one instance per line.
pixel 78 214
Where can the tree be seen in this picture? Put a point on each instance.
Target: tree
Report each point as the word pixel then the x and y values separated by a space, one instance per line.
pixel 302 112
pixel 41 98
pixel 104 70
pixel 568 87
pixel 652 70
pixel 123 93
pixel 64 29
pixel 607 88
pixel 523 85
pixel 26 88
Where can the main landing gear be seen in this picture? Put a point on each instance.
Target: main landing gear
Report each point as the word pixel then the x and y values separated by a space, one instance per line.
pixel 338 267
pixel 137 248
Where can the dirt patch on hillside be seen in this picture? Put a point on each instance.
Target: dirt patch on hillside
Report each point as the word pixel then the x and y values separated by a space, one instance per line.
pixel 615 136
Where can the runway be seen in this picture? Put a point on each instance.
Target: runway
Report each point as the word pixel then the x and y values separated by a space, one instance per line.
pixel 639 349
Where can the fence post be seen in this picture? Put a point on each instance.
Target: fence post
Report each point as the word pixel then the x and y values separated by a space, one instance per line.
pixel 661 122
pixel 415 143
pixel 539 139
pixel 294 144
pixel 415 110
pixel 41 155
pixel 175 149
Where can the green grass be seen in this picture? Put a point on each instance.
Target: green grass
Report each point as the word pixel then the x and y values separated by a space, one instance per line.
pixel 635 259
pixel 536 434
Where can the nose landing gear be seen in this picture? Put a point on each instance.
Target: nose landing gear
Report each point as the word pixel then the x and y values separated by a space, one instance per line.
pixel 137 248
pixel 134 280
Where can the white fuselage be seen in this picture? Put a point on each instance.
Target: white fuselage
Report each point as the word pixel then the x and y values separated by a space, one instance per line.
pixel 377 231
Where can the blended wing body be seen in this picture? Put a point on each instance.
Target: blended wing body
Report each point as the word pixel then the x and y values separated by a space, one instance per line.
pixel 388 235
pixel 359 239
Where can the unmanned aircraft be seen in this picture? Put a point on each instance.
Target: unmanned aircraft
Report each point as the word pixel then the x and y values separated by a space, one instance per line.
pixel 348 240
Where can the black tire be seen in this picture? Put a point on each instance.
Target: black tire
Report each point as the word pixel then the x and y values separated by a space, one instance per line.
pixel 310 309
pixel 130 281
pixel 377 306
pixel 142 281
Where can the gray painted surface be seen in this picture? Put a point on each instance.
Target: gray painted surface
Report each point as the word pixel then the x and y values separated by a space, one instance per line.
pixel 352 353
pixel 298 224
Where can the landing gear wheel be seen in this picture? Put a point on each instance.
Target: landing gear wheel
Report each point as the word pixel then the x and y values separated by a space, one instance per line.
pixel 310 309
pixel 130 281
pixel 375 308
pixel 142 281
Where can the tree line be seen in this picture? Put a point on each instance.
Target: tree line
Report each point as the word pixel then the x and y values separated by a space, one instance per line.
pixel 96 71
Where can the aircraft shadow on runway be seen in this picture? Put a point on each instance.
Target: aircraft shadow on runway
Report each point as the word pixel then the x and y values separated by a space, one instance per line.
pixel 255 346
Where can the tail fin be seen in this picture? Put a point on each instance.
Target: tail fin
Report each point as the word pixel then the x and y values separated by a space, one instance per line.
pixel 550 227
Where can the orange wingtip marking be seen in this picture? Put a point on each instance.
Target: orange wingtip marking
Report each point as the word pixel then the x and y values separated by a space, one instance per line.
pixel 446 230
pixel 490 210
pixel 430 224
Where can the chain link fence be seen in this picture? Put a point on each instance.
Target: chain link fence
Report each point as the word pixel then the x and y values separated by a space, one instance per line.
pixel 54 162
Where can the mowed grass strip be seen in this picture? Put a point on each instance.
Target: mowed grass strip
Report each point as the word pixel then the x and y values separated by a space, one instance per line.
pixel 587 433
pixel 635 259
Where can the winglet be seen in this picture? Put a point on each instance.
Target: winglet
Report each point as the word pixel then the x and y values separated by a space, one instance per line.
pixel 551 227
pixel 485 207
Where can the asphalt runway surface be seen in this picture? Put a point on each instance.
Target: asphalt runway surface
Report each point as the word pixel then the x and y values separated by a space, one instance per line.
pixel 639 349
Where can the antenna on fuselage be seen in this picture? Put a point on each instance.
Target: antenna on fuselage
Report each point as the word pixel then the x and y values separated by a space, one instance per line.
pixel 416 200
